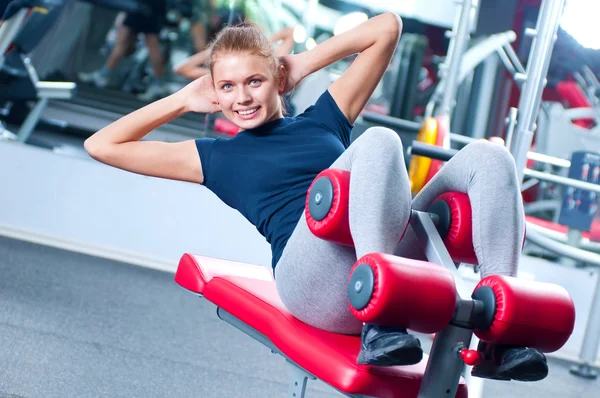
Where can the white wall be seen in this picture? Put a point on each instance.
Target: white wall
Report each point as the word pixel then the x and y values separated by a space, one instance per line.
pixel 82 205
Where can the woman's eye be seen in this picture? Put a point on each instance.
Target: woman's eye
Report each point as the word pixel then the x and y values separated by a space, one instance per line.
pixel 255 82
pixel 226 87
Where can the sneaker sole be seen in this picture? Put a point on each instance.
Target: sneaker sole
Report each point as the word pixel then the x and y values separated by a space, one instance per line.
pixel 521 371
pixel 487 373
pixel 400 356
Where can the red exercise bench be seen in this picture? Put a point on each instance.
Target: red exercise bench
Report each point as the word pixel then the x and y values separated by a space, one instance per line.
pixel 427 297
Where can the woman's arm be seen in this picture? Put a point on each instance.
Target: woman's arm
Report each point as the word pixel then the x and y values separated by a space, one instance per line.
pixel 286 36
pixel 193 67
pixel 375 40
pixel 119 145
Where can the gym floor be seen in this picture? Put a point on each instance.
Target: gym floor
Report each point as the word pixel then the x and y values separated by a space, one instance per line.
pixel 72 325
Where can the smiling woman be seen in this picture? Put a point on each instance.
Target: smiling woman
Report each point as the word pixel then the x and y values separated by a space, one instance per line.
pixel 265 172
pixel 248 78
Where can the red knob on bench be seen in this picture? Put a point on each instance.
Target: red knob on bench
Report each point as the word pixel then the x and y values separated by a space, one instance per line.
pixel 470 357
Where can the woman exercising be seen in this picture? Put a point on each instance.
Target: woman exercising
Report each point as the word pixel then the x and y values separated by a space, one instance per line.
pixel 265 171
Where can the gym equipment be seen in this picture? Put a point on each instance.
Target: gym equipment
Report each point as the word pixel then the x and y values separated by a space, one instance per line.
pixel 448 87
pixel 534 81
pixel 595 228
pixel 564 131
pixel 18 77
pixel 409 57
pixel 388 290
pixel 20 83
pixel 579 207
pixel 414 127
pixel 578 211
pixel 521 122
pixel 421 149
pixel 422 169
pixel 224 126
pixel 463 57
pixel 575 98
pixel 589 84
pixel 434 131
pixel 586 166
pixel 460 63
pixel 411 53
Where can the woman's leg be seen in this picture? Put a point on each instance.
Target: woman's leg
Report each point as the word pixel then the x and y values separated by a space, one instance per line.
pixel 125 39
pixel 312 274
pixel 487 173
pixel 198 33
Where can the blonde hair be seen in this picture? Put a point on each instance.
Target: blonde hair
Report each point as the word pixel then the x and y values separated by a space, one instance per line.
pixel 245 37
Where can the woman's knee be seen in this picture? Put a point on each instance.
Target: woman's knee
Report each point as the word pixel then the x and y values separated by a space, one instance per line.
pixel 493 160
pixel 382 135
pixel 382 141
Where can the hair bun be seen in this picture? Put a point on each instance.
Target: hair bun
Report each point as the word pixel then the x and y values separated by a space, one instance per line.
pixel 245 24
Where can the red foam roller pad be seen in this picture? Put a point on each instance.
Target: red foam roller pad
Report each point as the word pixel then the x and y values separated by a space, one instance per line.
pixel 459 239
pixel 335 227
pixel 415 294
pixel 529 314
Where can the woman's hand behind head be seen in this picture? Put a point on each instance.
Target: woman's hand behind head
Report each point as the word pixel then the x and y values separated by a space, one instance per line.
pixel 294 71
pixel 199 96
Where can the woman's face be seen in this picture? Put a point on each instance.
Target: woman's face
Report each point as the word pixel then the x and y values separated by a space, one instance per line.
pixel 247 90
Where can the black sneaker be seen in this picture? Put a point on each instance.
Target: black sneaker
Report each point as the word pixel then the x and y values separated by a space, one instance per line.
pixel 388 346
pixel 501 362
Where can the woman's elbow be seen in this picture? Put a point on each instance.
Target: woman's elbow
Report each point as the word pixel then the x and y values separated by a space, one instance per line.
pixel 393 25
pixel 95 149
pixel 179 69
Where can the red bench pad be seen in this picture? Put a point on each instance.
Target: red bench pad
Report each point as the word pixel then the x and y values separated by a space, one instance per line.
pixel 248 292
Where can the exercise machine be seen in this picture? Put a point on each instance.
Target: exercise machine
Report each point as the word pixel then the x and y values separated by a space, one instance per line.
pixel 27 21
pixel 407 64
pixel 425 296
pixel 18 77
pixel 577 214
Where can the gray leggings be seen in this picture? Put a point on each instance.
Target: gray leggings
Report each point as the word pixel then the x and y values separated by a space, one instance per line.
pixel 312 274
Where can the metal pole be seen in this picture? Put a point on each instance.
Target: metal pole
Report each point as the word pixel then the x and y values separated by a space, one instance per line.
pixel 591 340
pixel 551 160
pixel 565 181
pixel 538 157
pixel 442 376
pixel 539 239
pixel 32 120
pixel 573 240
pixel 456 49
pixel 535 79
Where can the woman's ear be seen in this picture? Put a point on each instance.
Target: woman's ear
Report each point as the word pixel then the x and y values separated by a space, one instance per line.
pixel 282 79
